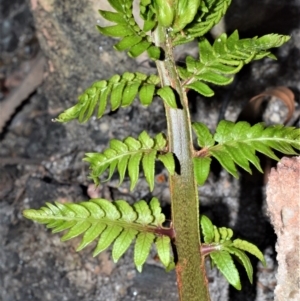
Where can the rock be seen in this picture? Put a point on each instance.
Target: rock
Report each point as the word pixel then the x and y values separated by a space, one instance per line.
pixel 283 195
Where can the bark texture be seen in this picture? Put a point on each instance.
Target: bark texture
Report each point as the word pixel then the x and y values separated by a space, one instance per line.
pixel 283 197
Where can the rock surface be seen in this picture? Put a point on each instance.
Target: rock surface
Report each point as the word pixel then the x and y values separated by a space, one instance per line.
pixel 283 199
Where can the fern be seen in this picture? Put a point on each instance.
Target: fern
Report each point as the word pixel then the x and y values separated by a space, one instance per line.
pixel 219 245
pixel 220 61
pixel 133 38
pixel 237 145
pixel 116 222
pixel 122 91
pixel 128 155
pixel 209 15
pixel 168 23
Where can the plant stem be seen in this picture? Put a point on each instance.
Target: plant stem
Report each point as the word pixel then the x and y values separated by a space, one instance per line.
pixel 190 269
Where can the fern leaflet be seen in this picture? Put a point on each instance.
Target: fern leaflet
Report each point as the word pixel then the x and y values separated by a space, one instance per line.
pixel 208 16
pixel 122 91
pixel 238 143
pixel 110 222
pixel 128 155
pixel 133 38
pixel 219 245
pixel 220 61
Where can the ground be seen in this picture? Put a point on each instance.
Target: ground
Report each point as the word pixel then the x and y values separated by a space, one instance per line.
pixel 42 161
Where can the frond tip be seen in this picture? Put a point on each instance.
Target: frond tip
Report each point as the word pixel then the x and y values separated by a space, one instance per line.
pixel 238 143
pixel 128 155
pixel 133 38
pixel 110 222
pixel 219 62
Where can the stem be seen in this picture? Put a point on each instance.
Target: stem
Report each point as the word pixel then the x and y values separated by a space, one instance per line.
pixel 190 269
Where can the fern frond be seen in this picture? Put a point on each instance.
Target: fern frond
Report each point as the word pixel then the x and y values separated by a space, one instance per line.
pixel 133 38
pixel 220 61
pixel 208 16
pixel 219 245
pixel 110 222
pixel 128 155
pixel 121 90
pixel 238 143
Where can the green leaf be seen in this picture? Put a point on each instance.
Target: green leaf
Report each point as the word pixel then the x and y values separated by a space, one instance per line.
pixel 215 78
pixel 218 63
pixel 112 17
pixel 142 249
pixel 154 52
pixel 106 239
pixel 119 30
pixel 91 234
pixel 145 139
pixel 201 88
pixel 225 233
pixel 122 166
pixel 208 15
pixel 144 213
pixel 225 264
pixel 128 154
pixel 134 168
pixel 201 169
pixel 146 94
pixel 185 13
pixel 116 95
pixel 111 212
pixel 148 162
pixel 168 161
pixel 207 229
pixel 159 218
pixel 76 230
pixel 139 48
pixel 122 243
pixel 132 37
pixel 128 214
pixel 109 222
pixel 116 4
pixel 225 160
pixel 244 260
pixel 163 246
pixel 167 95
pixel 250 248
pixel 165 12
pixel 122 91
pixel 217 235
pixel 237 144
pixel 205 138
pixel 127 43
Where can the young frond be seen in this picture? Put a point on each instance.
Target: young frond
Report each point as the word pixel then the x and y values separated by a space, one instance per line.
pixel 210 13
pixel 238 143
pixel 147 13
pixel 133 38
pixel 220 61
pixel 115 223
pixel 220 247
pixel 128 155
pixel 121 90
